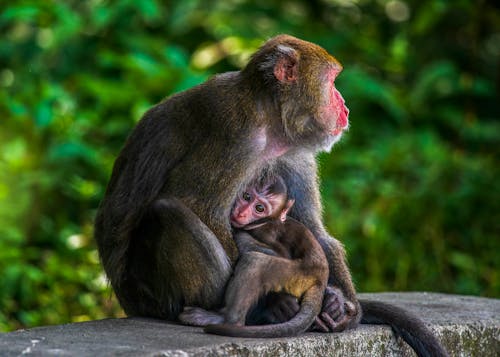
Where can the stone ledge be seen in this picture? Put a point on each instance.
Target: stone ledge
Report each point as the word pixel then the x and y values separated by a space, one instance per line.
pixel 467 326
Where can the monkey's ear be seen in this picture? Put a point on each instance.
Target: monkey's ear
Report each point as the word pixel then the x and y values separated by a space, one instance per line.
pixel 287 207
pixel 286 66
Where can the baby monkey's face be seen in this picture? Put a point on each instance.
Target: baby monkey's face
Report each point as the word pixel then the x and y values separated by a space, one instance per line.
pixel 252 205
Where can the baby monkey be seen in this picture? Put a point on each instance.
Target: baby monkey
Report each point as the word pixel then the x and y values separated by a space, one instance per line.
pixel 277 254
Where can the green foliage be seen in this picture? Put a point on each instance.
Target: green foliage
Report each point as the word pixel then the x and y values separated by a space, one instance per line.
pixel 414 181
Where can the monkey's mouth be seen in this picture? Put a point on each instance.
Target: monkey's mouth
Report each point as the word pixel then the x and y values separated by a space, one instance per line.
pixel 234 223
pixel 342 122
pixel 336 131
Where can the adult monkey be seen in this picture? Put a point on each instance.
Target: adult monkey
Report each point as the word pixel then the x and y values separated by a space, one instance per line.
pixel 163 229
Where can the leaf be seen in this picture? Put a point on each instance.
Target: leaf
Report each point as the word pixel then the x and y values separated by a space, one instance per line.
pixel 434 80
pixel 43 115
pixel 71 151
pixel 363 85
pixel 19 13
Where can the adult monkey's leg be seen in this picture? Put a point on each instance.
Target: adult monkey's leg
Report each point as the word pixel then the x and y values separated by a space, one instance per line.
pixel 179 262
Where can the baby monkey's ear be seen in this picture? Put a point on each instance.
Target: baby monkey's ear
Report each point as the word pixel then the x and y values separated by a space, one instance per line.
pixel 285 210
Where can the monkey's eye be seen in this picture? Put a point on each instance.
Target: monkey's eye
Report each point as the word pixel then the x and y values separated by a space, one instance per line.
pixel 259 208
pixel 246 196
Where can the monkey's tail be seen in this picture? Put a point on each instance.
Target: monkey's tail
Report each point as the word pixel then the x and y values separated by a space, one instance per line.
pixel 309 309
pixel 405 324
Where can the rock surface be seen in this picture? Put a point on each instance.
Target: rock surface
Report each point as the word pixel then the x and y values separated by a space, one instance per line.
pixel 467 326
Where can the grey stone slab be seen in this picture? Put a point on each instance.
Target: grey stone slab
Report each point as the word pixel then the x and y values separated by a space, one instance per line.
pixel 468 326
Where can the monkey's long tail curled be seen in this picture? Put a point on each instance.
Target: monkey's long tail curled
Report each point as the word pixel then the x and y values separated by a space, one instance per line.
pixel 405 324
pixel 310 307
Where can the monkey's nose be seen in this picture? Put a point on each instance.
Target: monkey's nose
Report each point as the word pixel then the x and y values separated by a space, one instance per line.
pixel 237 213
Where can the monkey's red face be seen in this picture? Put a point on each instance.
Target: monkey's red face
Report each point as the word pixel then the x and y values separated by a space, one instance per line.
pixel 334 113
pixel 253 205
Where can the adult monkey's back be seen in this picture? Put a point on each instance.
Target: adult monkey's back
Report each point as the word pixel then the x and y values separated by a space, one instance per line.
pixel 163 229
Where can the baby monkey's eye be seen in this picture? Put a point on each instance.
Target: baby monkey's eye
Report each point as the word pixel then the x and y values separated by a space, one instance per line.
pixel 259 208
pixel 246 196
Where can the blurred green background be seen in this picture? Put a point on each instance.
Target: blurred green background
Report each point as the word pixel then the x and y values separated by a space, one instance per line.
pixel 412 190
